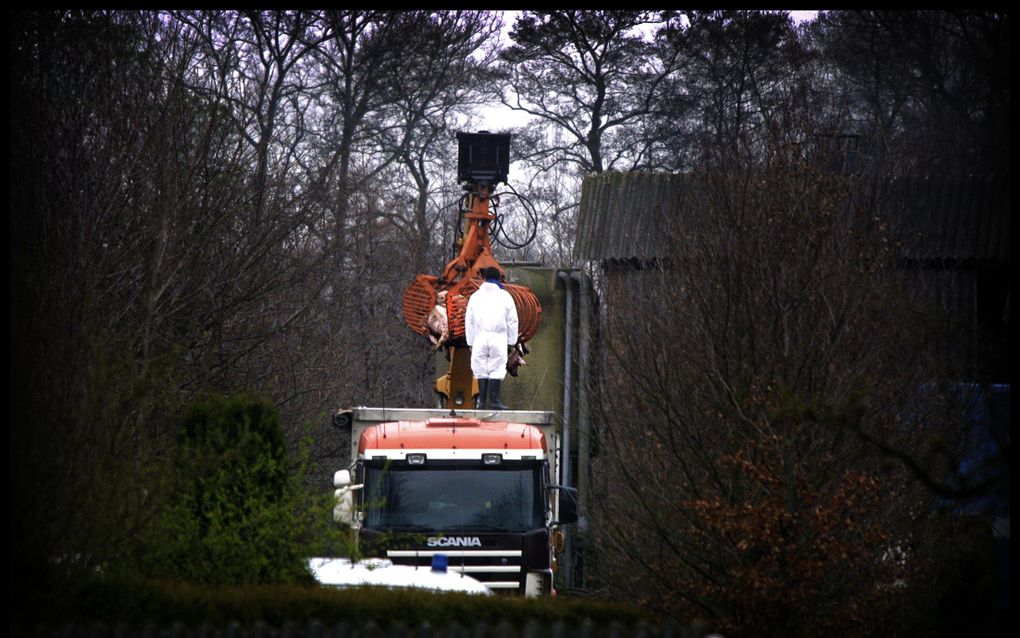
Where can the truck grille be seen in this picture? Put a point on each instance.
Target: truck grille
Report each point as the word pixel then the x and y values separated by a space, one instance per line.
pixel 499 569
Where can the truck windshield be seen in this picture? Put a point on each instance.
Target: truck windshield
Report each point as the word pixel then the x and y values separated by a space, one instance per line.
pixel 404 498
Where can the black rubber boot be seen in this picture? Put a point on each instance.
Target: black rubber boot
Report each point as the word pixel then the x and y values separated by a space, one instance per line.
pixel 482 399
pixel 494 402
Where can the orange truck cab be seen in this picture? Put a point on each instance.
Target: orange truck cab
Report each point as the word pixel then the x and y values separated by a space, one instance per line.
pixel 476 486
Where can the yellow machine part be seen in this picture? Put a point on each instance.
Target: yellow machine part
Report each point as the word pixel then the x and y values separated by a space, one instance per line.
pixel 460 279
pixel 458 386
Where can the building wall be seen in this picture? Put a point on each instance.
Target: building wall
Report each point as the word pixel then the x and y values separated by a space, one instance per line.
pixel 539 385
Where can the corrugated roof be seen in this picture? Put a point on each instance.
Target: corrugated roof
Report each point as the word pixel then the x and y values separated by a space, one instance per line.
pixel 944 217
pixel 937 217
pixel 622 214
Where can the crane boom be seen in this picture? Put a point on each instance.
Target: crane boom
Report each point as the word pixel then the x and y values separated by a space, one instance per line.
pixel 482 164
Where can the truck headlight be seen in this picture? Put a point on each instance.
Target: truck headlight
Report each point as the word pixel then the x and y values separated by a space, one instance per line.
pixel 416 459
pixel 492 459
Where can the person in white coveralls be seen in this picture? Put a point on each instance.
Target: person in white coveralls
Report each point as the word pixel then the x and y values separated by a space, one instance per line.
pixel 490 326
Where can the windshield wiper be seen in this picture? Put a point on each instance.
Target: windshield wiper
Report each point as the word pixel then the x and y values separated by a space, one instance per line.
pixel 402 529
pixel 481 528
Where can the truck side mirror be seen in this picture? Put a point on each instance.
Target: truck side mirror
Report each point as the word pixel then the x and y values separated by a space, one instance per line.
pixel 567 504
pixel 342 478
pixel 343 510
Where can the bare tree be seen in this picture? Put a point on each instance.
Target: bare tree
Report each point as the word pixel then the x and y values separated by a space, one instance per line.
pixel 589 74
pixel 740 366
pixel 439 85
pixel 926 90
pixel 738 79
pixel 113 265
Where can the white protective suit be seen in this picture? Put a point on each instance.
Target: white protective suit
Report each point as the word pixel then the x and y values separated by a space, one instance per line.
pixel 490 327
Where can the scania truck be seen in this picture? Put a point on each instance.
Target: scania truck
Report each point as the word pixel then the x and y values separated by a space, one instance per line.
pixel 476 485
